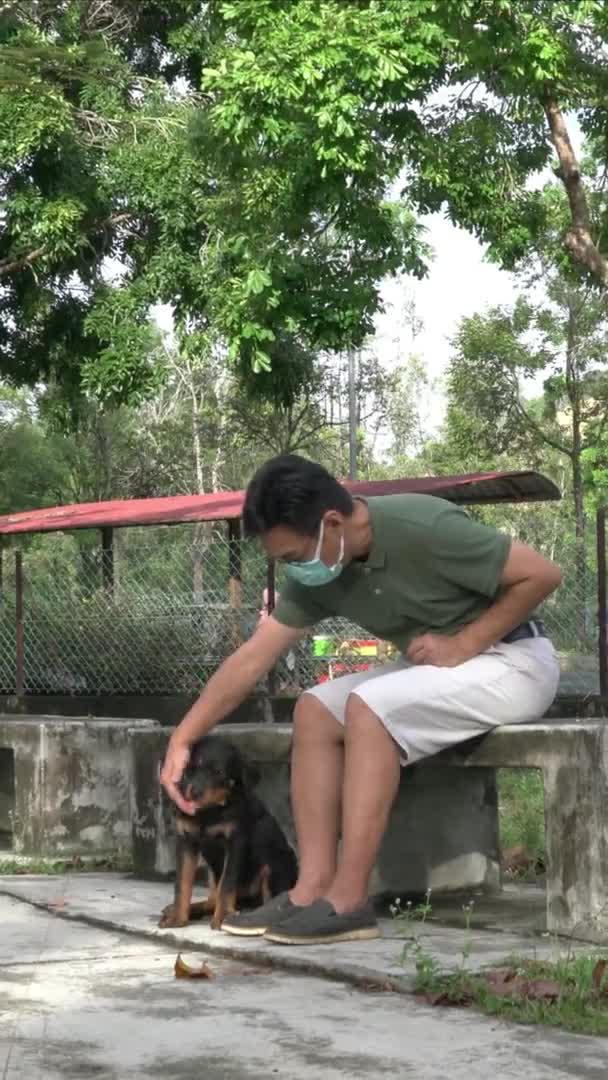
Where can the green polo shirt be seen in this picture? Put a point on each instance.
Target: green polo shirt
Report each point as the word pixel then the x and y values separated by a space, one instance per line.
pixel 431 567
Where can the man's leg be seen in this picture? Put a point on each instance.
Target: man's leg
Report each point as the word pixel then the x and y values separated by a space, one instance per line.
pixel 316 790
pixel 371 778
pixel 371 781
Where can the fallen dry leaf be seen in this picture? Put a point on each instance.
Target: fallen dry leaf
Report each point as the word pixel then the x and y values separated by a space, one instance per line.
pixel 184 971
pixel 506 983
pixel 597 977
pixel 56 905
pixel 371 986
pixel 543 990
pixel 443 997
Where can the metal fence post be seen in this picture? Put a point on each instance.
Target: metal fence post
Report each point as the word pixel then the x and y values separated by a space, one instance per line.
pixel 19 639
pixel 107 558
pixel 270 605
pixel 602 606
pixel 235 583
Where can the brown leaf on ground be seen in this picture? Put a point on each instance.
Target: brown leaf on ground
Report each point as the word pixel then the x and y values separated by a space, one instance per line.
pixel 184 971
pixel 517 861
pixel 516 858
pixel 445 997
pixel 370 986
pixel 597 977
pixel 514 988
pixel 57 905
pixel 543 990
pixel 507 983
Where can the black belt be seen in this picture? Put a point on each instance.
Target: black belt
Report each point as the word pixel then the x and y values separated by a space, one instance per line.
pixel 530 629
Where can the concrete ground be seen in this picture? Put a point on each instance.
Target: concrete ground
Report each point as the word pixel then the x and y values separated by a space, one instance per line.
pixel 500 927
pixel 80 997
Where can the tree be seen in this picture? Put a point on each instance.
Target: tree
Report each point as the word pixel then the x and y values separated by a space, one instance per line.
pixel 234 159
pixel 561 339
pixel 319 107
pixel 97 193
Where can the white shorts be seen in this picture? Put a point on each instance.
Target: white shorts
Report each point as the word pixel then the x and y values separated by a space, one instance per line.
pixel 427 709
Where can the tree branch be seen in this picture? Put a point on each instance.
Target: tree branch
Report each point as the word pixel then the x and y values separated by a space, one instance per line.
pixel 9 266
pixel 578 239
pixel 537 429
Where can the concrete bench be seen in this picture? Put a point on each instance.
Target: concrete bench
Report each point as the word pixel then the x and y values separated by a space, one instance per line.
pixel 66 785
pixel 573 759
pixel 443 832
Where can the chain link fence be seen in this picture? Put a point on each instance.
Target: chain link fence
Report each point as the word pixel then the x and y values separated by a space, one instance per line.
pixel 182 598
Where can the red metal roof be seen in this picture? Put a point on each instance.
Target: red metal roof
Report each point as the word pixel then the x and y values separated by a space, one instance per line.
pixel 474 488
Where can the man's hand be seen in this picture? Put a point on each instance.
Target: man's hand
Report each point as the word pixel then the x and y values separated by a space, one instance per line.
pixel 176 759
pixel 439 650
pixel 225 690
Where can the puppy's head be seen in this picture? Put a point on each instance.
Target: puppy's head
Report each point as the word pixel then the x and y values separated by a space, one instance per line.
pixel 216 770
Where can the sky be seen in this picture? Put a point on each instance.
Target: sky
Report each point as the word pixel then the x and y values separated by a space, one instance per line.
pixel 458 284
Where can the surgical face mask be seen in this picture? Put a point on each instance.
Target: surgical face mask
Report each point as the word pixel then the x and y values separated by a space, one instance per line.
pixel 315 572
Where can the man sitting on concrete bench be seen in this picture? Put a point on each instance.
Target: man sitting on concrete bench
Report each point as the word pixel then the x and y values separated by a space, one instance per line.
pixel 458 600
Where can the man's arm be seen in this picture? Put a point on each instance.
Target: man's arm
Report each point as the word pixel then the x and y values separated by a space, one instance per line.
pixel 527 579
pixel 230 685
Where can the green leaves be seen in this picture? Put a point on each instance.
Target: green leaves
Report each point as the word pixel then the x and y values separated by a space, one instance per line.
pixel 257 280
pixel 233 160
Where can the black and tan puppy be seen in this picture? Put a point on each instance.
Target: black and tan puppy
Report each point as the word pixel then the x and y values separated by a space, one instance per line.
pixel 247 855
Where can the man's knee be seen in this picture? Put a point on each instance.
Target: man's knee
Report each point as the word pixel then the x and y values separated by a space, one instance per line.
pixel 358 716
pixel 312 720
pixel 356 709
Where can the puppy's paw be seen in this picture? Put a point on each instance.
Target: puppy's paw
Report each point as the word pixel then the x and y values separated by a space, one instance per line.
pixel 217 920
pixel 169 918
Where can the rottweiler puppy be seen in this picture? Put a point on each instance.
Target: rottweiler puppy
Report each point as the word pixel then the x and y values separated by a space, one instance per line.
pixel 246 853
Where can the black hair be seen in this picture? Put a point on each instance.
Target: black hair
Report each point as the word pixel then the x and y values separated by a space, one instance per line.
pixel 290 490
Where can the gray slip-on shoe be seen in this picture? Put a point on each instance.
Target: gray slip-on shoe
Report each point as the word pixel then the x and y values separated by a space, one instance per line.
pixel 257 922
pixel 320 924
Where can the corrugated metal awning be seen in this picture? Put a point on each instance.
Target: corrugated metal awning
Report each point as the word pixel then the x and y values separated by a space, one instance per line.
pixel 473 488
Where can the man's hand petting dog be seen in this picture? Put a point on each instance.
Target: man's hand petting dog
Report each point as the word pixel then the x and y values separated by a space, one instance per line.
pixel 176 760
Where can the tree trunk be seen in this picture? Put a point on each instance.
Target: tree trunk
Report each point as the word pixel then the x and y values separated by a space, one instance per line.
pixel 574 390
pixel 578 239
pixel 580 551
pixel 198 542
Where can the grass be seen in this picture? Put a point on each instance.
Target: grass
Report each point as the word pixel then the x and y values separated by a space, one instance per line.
pixel 580 1006
pixel 522 815
pixel 570 992
pixel 120 862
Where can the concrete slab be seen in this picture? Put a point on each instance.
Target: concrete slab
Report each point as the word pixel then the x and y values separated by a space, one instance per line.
pixel 123 1016
pixel 519 908
pixel 452 798
pixel 123 904
pixel 65 785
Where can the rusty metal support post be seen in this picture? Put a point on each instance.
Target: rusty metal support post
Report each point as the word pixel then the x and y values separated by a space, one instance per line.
pixel 235 579
pixel 19 636
pixel 273 679
pixel 107 558
pixel 602 605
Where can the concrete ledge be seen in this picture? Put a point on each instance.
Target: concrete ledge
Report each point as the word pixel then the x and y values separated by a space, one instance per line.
pixel 66 785
pixel 443 832
pixel 115 902
pixel 573 759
